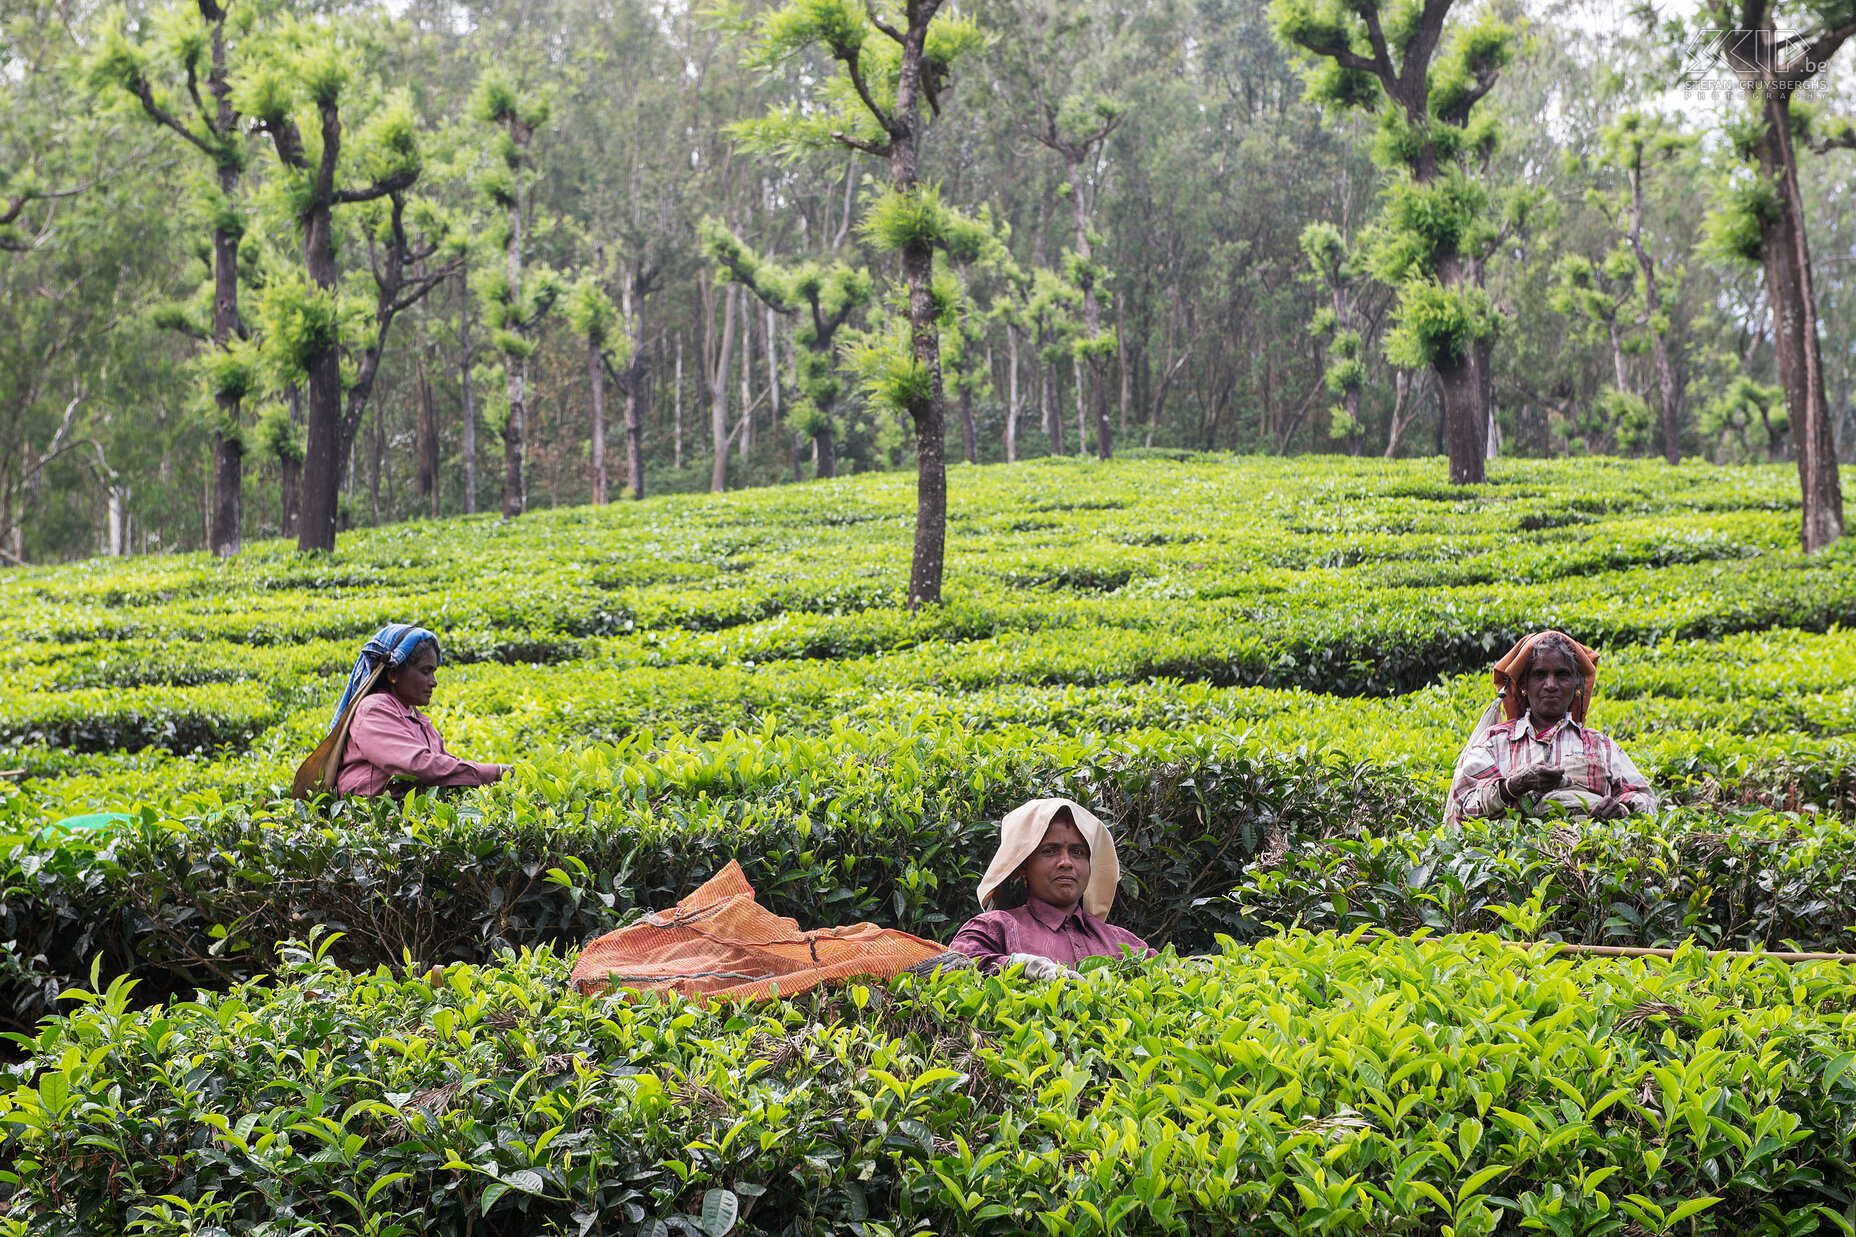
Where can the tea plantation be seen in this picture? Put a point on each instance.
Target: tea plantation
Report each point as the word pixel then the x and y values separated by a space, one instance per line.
pixel 232 1013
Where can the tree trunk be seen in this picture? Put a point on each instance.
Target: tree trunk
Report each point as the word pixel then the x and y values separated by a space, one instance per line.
pixel 1795 336
pixel 515 374
pixel 636 372
pixel 1012 404
pixel 1053 421
pixel 1408 401
pixel 825 449
pixel 969 440
pixel 596 383
pixel 228 484
pixel 428 439
pixel 1459 387
pixel 676 422
pixel 287 470
pixel 322 454
pixel 925 568
pixel 470 399
pixel 1121 359
pixel 718 396
pixel 228 448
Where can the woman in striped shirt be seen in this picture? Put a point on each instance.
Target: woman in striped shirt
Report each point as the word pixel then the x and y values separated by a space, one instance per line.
pixel 1533 746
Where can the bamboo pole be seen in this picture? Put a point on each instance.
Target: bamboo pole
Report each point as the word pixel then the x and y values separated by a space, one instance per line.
pixel 1644 951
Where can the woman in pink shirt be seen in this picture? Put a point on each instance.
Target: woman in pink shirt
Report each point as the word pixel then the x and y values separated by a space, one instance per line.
pixel 1065 859
pixel 379 740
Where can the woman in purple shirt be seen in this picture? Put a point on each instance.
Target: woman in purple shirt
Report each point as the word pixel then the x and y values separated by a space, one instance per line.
pixel 1065 859
pixel 378 737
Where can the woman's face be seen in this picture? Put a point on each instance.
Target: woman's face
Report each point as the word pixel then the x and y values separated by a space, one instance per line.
pixel 1058 870
pixel 1553 680
pixel 414 681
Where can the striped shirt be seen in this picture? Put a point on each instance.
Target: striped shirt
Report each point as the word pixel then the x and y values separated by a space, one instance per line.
pixel 1592 762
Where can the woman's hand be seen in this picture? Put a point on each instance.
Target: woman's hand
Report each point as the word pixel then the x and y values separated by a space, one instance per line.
pixel 1609 807
pixel 1037 966
pixel 1532 782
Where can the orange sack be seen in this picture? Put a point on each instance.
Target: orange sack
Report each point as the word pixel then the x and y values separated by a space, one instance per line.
pixel 720 942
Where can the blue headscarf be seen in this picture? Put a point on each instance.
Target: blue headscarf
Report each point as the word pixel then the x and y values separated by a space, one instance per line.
pixel 392 645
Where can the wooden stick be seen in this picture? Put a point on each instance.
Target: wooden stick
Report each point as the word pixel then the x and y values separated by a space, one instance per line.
pixel 1639 951
pixel 12 773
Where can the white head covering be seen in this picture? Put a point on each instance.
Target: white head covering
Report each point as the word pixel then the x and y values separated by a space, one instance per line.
pixel 1022 832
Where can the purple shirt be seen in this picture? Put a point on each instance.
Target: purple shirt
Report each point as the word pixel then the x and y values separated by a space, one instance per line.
pixel 1039 928
pixel 391 739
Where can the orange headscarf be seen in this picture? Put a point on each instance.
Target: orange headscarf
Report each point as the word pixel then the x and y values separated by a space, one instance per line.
pixel 1511 673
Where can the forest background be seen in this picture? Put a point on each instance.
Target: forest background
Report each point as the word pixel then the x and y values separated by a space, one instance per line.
pixel 1180 234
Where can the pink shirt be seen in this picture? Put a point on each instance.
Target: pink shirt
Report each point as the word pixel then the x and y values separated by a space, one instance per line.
pixel 1039 928
pixel 392 739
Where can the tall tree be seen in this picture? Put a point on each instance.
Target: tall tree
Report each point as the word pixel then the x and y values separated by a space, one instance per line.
pixel 594 319
pixel 193 43
pixel 638 281
pixel 515 310
pixel 1424 77
pixel 1776 50
pixel 295 94
pixel 1635 144
pixel 824 298
pixel 1340 322
pixel 1076 129
pixel 889 81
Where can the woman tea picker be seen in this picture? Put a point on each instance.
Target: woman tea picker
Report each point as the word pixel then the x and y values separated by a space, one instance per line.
pixel 1533 742
pixel 378 736
pixel 1064 859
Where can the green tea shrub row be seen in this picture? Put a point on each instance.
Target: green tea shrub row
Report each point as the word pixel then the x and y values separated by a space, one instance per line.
pixel 179 719
pixel 891 827
pixel 1328 632
pixel 1755 878
pixel 1304 1084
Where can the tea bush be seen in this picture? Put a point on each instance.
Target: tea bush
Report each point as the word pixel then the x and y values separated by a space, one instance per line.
pixel 1261 670
pixel 888 826
pixel 1303 1084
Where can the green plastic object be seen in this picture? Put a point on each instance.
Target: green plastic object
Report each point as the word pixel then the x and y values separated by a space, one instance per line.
pixel 94 820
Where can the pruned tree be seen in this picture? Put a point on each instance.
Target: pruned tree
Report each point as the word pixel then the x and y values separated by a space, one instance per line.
pixel 595 319
pixel 637 281
pixel 1635 145
pixel 1775 50
pixel 1741 410
pixel 403 270
pixel 891 73
pixel 822 299
pixel 1424 77
pixel 514 310
pixel 1336 267
pixel 295 93
pixel 194 43
pixel 1076 128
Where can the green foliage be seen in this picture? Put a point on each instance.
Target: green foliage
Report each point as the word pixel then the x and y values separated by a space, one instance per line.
pixel 591 313
pixel 831 833
pixel 1737 880
pixel 1736 227
pixel 885 363
pixel 1261 670
pixel 1306 1081
pixel 498 100
pixel 1432 322
pixel 276 437
pixel 299 320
